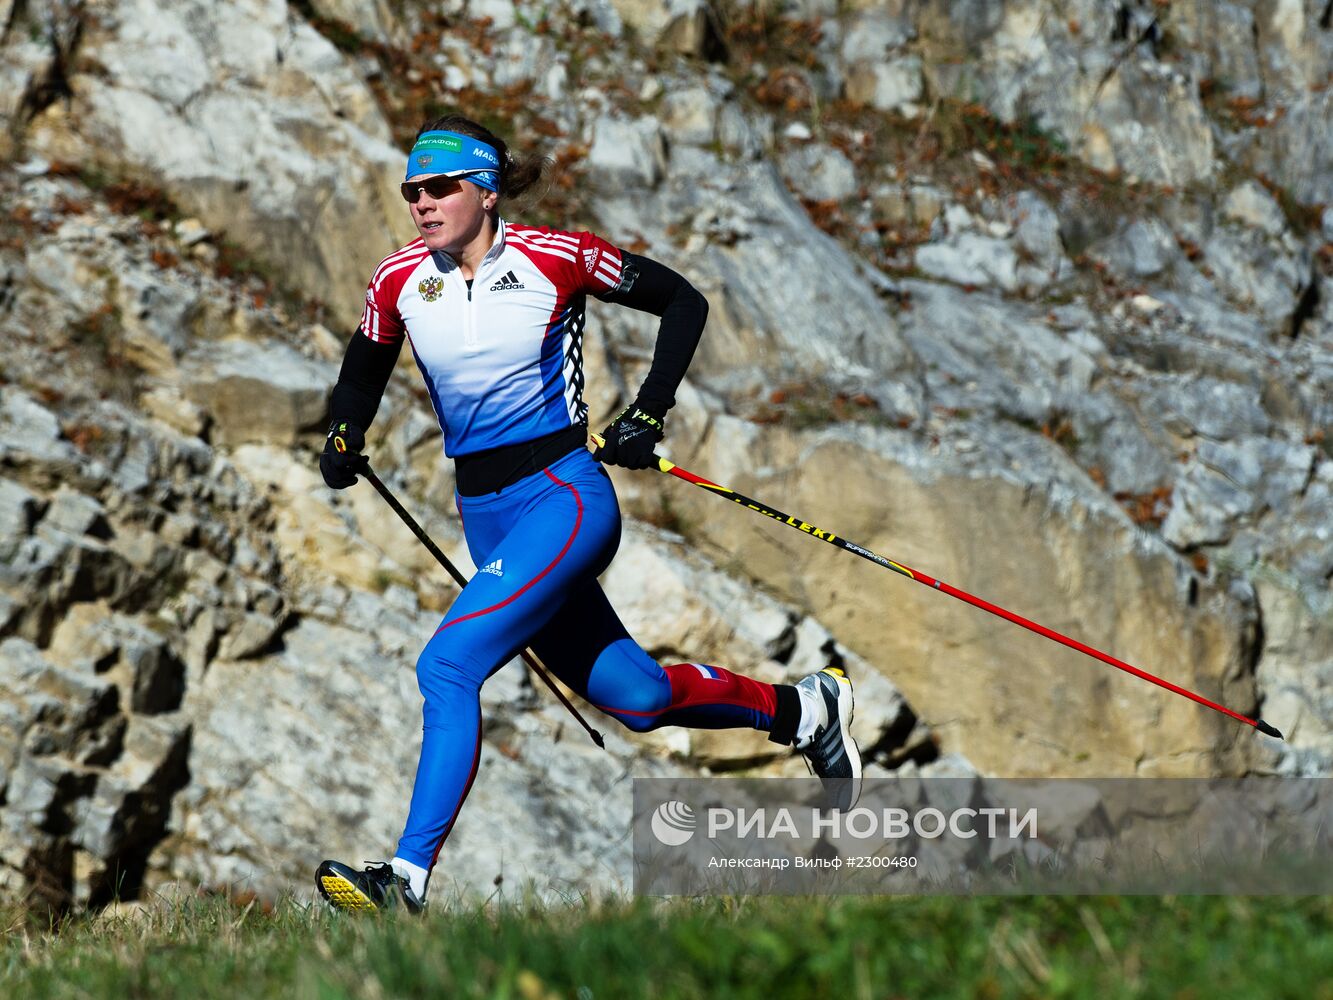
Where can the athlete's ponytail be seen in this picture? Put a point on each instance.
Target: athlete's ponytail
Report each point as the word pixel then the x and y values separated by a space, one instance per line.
pixel 517 176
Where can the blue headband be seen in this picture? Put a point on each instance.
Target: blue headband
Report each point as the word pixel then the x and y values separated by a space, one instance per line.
pixel 454 155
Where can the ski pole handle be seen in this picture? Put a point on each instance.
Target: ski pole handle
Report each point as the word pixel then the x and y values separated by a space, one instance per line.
pixel 662 464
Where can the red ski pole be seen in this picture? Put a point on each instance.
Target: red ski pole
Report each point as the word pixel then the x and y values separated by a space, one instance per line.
pixel 827 536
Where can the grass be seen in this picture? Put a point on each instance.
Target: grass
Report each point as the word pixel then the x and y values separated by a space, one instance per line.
pixel 762 948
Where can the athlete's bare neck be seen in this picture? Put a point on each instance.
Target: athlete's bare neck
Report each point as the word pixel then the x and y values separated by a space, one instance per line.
pixel 469 254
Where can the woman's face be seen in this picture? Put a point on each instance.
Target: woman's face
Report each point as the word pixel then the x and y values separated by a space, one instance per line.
pixel 449 213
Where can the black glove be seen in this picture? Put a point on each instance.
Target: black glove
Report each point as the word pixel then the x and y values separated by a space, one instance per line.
pixel 342 454
pixel 630 437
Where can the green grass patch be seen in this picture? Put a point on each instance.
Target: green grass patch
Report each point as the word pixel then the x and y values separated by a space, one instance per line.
pixel 760 948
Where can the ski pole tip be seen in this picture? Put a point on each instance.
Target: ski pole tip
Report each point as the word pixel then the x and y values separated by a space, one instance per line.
pixel 1268 730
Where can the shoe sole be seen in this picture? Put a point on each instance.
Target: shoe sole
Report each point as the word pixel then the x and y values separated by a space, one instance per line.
pixel 846 709
pixel 344 895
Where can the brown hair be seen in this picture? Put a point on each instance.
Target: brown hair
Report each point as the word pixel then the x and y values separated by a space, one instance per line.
pixel 517 176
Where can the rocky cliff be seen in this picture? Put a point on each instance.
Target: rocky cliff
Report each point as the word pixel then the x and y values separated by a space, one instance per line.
pixel 1032 296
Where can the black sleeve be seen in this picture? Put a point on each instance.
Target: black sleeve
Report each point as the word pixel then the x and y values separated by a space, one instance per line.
pixel 651 287
pixel 365 373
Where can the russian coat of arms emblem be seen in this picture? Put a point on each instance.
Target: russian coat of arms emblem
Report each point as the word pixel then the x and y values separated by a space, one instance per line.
pixel 430 289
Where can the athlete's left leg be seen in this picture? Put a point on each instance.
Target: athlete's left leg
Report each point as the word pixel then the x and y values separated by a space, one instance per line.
pixel 588 648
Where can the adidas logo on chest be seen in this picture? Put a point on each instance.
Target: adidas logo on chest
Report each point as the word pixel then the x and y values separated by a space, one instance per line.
pixel 495 568
pixel 507 283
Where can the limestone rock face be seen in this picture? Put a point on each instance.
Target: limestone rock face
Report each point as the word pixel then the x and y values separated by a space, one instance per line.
pixel 259 391
pixel 1115 103
pixel 888 86
pixel 972 259
pixel 88 782
pixel 371 18
pixel 627 151
pixel 678 25
pixel 250 120
pixel 825 319
pixel 1036 304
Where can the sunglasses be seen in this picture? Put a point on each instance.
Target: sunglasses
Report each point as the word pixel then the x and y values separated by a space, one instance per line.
pixel 436 187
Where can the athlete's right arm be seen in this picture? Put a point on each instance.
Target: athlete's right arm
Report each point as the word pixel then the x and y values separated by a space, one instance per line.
pixel 365 373
pixel 367 364
pixel 356 397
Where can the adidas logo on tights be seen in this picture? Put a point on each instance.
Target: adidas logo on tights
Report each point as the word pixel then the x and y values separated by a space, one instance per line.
pixel 506 283
pixel 497 568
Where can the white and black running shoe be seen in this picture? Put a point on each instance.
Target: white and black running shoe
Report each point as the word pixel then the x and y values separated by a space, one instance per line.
pixel 377 887
pixel 831 752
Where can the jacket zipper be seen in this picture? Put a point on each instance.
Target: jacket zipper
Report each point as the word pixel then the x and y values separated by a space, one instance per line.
pixel 469 324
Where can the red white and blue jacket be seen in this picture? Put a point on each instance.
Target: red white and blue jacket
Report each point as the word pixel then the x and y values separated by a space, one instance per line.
pixel 503 358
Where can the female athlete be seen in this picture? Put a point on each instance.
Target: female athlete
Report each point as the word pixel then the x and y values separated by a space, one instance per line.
pixel 494 313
